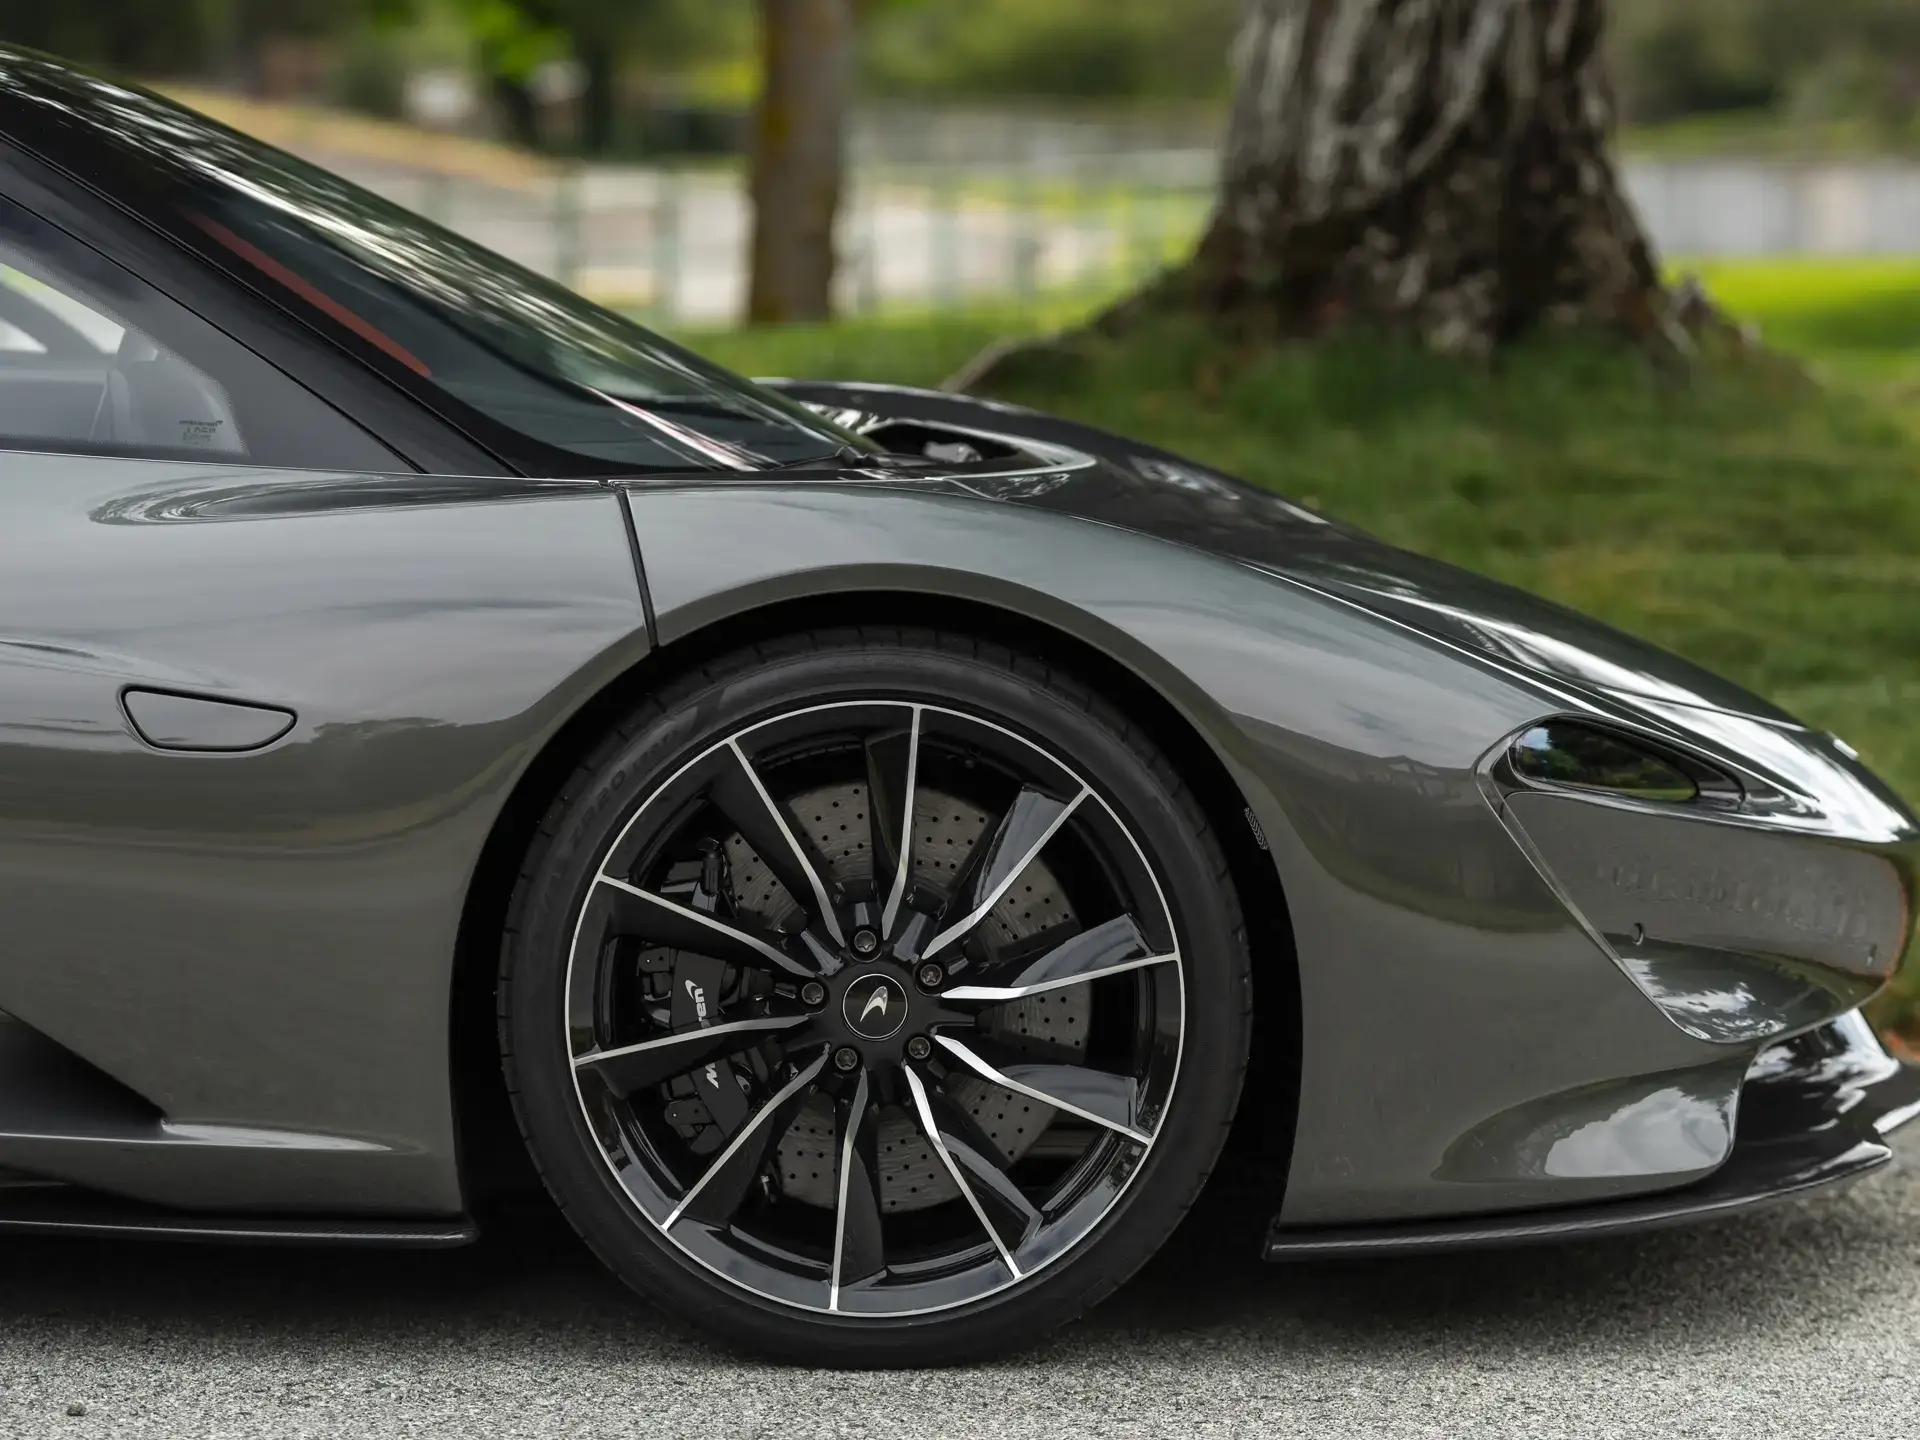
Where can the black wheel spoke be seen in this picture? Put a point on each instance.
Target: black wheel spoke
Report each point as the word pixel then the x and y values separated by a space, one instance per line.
pixel 1012 1216
pixel 1113 948
pixel 741 795
pixel 893 763
pixel 930 1127
pixel 718 1193
pixel 626 1068
pixel 667 922
pixel 1096 1095
pixel 1024 830
pixel 858 1250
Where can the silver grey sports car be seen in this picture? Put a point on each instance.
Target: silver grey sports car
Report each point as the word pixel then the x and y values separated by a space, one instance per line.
pixel 868 847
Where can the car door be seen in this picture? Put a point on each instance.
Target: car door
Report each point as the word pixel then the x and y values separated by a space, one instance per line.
pixel 264 690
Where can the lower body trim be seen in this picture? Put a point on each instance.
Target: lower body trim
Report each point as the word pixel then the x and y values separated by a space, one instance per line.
pixel 62 1210
pixel 1815 1113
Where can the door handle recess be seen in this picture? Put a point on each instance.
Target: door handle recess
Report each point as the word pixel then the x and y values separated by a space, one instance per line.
pixel 170 721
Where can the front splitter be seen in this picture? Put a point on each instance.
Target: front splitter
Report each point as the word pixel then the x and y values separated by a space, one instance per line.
pixel 1816 1113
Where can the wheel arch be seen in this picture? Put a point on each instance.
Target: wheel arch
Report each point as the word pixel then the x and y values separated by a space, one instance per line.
pixel 493 1166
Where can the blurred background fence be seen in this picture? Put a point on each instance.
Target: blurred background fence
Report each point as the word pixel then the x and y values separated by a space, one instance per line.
pixel 1009 207
pixel 1009 152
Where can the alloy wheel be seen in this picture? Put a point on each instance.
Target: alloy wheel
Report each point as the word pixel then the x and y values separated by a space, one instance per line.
pixel 874 1008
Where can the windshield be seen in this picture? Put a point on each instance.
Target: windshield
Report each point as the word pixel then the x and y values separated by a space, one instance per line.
pixel 491 344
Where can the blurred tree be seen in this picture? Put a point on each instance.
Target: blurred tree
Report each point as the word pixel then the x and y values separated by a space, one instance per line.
pixel 516 39
pixel 798 156
pixel 512 39
pixel 1435 166
pixel 1438 168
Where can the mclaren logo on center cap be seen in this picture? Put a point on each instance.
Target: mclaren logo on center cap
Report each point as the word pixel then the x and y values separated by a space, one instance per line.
pixel 875 1006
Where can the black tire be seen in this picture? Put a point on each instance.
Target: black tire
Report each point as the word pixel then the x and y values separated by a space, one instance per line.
pixel 1035 701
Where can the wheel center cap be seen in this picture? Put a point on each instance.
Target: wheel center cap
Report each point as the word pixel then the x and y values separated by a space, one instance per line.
pixel 874 1006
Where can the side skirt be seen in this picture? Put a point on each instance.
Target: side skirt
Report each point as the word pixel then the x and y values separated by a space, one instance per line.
pixel 61 1210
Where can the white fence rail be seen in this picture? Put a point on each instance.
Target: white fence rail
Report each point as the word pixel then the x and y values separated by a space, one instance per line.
pixel 1054 218
pixel 1741 207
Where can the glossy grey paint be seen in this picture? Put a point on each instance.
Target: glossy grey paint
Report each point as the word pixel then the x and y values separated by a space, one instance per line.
pixel 1454 1008
pixel 1438 972
pixel 1142 488
pixel 259 946
pixel 1738 933
pixel 1816 1112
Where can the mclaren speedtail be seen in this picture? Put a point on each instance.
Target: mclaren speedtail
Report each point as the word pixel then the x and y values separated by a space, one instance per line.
pixel 867 847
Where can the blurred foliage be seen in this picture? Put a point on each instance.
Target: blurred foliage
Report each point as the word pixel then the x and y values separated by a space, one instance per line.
pixel 1841 70
pixel 1838 59
pixel 1073 48
pixel 585 51
pixel 517 39
pixel 177 37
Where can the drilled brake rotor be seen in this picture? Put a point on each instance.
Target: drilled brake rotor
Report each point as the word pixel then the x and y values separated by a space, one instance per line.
pixel 945 832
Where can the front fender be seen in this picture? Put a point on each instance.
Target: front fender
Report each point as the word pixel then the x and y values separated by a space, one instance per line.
pixel 1443 984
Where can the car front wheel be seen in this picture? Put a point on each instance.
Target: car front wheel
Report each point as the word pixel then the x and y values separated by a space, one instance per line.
pixel 875 998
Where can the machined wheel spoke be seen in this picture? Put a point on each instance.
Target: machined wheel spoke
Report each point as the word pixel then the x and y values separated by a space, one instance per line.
pixel 893 762
pixel 858 1252
pixel 959 1176
pixel 718 1193
pixel 667 922
pixel 1105 1099
pixel 1029 823
pixel 1012 1216
pixel 652 1062
pixel 1113 948
pixel 743 798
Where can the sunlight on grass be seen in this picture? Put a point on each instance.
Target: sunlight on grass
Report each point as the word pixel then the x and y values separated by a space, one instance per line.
pixel 1858 318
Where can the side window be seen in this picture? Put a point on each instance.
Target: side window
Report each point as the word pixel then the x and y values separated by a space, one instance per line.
pixel 92 360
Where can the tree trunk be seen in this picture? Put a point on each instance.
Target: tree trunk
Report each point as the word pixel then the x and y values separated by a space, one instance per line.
pixel 1434 166
pixel 518 114
pixel 599 96
pixel 797 156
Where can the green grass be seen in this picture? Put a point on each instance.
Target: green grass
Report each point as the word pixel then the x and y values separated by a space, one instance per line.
pixel 1858 320
pixel 1761 522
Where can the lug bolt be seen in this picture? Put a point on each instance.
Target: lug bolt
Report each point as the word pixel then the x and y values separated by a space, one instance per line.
pixel 846 1058
pixel 919 1047
pixel 813 993
pixel 931 975
pixel 865 942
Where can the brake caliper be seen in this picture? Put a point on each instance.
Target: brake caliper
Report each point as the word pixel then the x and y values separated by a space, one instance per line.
pixel 712 1103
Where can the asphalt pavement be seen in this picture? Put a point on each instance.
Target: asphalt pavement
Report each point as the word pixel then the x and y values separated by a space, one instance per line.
pixel 1799 1322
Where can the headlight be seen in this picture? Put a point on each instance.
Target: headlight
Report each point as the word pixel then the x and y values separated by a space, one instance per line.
pixel 1567 754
